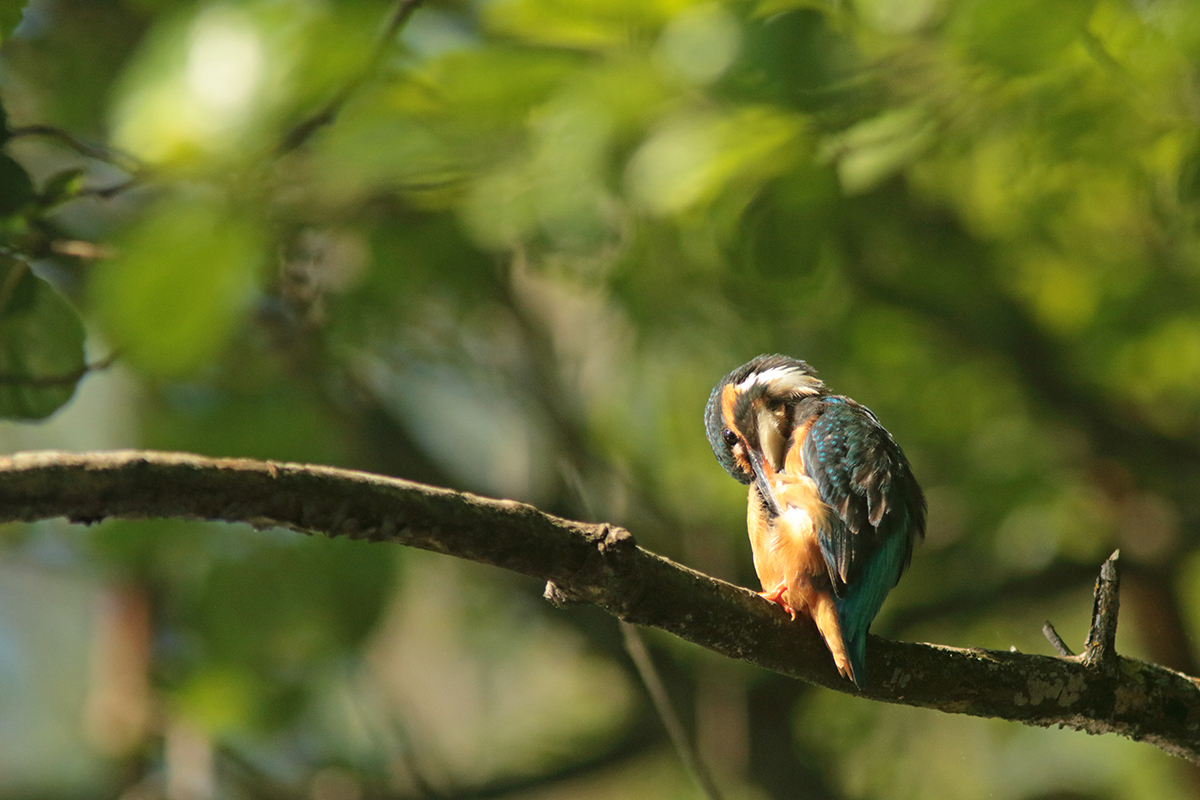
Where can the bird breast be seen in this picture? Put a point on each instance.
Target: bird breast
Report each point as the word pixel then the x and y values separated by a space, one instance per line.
pixel 785 547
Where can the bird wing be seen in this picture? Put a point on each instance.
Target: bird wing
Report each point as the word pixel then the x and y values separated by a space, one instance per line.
pixel 862 474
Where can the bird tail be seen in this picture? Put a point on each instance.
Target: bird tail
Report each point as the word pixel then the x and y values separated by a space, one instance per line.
pixel 857 607
pixel 825 614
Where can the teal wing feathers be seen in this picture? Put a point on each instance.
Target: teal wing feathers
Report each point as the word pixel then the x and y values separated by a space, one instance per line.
pixel 863 475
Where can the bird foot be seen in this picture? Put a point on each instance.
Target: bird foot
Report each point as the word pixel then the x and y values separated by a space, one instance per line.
pixel 776 597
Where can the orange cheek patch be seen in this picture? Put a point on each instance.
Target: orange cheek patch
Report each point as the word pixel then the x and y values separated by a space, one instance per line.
pixel 728 400
pixel 729 396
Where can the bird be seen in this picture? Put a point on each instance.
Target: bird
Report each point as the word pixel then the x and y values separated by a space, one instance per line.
pixel 833 509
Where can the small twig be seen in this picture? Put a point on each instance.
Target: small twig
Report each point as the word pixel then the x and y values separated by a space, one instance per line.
pixel 99 152
pixel 662 704
pixel 108 192
pixel 304 130
pixel 1056 641
pixel 58 380
pixel 78 248
pixel 1100 649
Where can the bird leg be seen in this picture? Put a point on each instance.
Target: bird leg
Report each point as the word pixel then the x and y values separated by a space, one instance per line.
pixel 776 596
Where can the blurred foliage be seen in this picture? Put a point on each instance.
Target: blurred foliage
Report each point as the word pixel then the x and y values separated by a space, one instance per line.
pixel 179 282
pixel 515 256
pixel 41 345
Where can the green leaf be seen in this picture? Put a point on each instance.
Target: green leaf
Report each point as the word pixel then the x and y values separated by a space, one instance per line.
pixel 62 186
pixel 692 159
pixel 180 282
pixel 41 345
pixel 585 24
pixel 16 188
pixel 1019 36
pixel 11 12
pixel 876 149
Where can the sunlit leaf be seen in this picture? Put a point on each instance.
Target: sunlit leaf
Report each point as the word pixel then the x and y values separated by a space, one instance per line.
pixel 41 345
pixel 460 115
pixel 770 8
pixel 899 16
pixel 1064 296
pixel 701 43
pixel 1019 36
pixel 579 23
pixel 691 159
pixel 179 283
pixel 220 699
pixel 212 84
pixel 874 150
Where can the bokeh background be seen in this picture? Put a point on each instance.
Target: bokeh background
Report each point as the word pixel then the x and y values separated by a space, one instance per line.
pixel 515 262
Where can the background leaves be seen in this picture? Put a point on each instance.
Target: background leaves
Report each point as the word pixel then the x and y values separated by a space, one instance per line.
pixel 514 261
pixel 41 345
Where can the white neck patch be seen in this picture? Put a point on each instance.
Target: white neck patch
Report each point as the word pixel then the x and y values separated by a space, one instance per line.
pixel 784 381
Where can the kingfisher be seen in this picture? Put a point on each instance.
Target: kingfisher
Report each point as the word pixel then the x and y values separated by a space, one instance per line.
pixel 833 508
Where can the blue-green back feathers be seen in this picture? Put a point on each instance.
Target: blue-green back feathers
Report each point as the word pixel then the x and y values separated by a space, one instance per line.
pixel 863 475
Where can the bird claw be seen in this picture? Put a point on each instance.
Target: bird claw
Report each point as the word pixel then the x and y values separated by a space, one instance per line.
pixel 776 596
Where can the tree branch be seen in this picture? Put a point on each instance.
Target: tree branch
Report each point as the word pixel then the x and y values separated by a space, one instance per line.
pixel 1100 650
pixel 1056 641
pixel 304 130
pixel 601 564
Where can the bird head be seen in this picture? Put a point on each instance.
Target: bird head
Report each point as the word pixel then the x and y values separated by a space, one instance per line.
pixel 747 418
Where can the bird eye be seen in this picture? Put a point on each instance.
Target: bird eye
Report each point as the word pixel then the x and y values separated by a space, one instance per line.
pixel 730 437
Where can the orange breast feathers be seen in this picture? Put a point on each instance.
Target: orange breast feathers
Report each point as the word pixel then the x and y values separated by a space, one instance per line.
pixel 785 548
pixel 787 554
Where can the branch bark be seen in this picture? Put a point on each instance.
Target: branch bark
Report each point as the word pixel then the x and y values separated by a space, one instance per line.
pixel 601 564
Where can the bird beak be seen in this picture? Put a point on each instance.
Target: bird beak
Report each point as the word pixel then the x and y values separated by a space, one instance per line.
pixel 762 480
